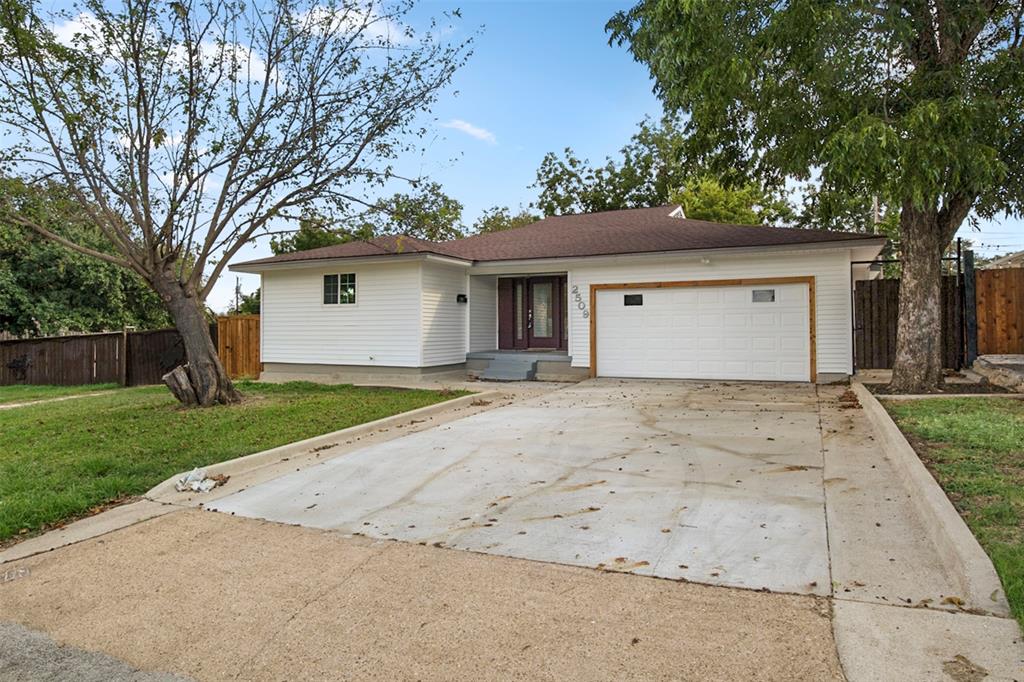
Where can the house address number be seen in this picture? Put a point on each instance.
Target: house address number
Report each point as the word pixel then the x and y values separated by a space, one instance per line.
pixel 580 303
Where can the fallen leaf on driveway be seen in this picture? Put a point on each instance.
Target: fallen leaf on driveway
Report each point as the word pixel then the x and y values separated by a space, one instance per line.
pixel 962 669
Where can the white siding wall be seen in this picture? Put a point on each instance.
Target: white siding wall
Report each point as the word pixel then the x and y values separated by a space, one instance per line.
pixel 444 319
pixel 483 313
pixel 831 268
pixel 382 328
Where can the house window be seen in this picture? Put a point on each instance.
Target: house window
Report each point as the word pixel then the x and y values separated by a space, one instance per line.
pixel 633 299
pixel 339 289
pixel 764 296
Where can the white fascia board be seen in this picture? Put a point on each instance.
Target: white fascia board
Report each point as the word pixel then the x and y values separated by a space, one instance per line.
pixel 556 264
pixel 359 260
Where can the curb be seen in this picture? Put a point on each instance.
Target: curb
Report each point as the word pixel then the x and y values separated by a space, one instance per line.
pixel 959 550
pixel 86 529
pixel 256 460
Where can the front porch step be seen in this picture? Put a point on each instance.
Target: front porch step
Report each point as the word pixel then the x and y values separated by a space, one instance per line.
pixel 510 368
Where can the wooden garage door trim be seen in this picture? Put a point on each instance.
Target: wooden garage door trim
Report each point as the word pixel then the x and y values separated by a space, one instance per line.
pixel 811 307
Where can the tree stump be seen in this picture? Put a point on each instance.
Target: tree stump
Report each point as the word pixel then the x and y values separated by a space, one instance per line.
pixel 180 383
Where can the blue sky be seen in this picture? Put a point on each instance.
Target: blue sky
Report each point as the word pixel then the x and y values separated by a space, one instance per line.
pixel 542 78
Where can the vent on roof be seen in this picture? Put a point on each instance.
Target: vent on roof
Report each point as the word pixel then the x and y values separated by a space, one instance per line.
pixel 677 213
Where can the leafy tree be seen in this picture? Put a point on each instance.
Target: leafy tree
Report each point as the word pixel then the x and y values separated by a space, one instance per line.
pixel 427 213
pixel 248 305
pixel 46 289
pixel 825 208
pixel 499 218
pixel 315 231
pixel 918 103
pixel 652 166
pixel 705 198
pixel 183 130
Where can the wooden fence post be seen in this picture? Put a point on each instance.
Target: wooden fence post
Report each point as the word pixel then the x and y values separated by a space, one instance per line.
pixel 124 356
pixel 970 309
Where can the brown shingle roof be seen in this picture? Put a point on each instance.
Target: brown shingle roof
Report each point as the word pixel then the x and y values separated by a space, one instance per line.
pixel 389 245
pixel 641 230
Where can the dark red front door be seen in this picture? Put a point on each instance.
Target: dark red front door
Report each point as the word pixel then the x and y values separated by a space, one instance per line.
pixel 531 313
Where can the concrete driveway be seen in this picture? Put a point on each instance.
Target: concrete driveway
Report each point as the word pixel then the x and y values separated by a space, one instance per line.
pixel 715 483
pixel 784 487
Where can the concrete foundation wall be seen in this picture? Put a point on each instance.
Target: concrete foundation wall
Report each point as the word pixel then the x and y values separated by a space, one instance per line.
pixel 279 372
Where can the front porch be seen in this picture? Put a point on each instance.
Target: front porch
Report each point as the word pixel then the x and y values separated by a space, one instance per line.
pixel 514 365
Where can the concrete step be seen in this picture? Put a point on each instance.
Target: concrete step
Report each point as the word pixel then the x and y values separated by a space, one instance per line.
pixel 510 369
pixel 507 375
pixel 512 364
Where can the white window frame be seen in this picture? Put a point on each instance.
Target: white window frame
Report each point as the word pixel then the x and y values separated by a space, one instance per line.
pixel 339 303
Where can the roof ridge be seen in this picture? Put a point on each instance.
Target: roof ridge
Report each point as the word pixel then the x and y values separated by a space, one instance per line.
pixel 612 210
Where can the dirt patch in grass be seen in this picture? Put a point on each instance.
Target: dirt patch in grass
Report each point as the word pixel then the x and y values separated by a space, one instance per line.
pixel 947 388
pixel 23 393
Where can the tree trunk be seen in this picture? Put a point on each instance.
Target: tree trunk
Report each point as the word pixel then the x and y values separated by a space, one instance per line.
pixel 917 367
pixel 202 380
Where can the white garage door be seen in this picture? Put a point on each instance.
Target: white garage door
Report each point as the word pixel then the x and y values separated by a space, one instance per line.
pixel 731 332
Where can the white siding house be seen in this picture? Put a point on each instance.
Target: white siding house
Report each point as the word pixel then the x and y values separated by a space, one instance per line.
pixel 381 328
pixel 483 313
pixel 421 308
pixel 444 319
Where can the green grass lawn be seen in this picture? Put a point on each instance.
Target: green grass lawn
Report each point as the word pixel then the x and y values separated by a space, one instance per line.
pixel 60 460
pixel 975 449
pixel 22 393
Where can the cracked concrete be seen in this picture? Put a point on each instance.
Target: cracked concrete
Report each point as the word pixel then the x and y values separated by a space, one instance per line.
pixel 692 481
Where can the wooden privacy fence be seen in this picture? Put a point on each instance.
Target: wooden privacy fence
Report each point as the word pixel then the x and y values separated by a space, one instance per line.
pixel 999 295
pixel 152 354
pixel 238 345
pixel 876 311
pixel 63 360
pixel 129 358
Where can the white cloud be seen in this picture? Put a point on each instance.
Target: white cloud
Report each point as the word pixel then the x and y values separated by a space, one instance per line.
pixel 251 66
pixel 84 23
pixel 471 130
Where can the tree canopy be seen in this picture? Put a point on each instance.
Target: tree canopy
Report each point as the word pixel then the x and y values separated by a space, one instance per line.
pixel 314 232
pixel 654 169
pixel 248 304
pixel 703 197
pixel 897 99
pixel 46 289
pixel 500 218
pixel 425 213
pixel 650 168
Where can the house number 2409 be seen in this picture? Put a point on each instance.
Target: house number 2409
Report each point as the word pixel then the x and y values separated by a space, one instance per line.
pixel 580 303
